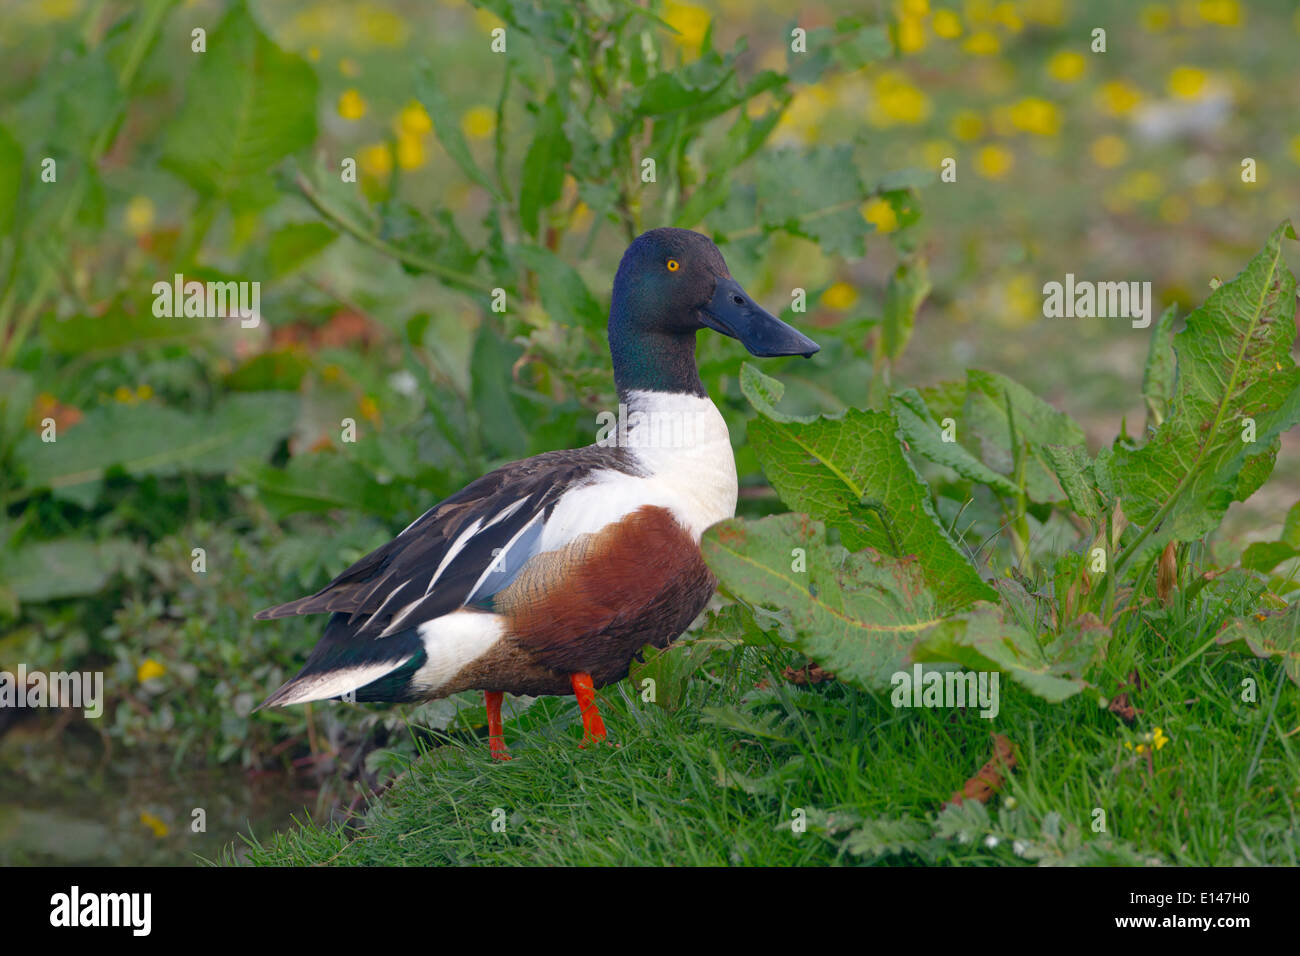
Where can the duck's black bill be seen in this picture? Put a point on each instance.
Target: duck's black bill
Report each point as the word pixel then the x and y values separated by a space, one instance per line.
pixel 732 312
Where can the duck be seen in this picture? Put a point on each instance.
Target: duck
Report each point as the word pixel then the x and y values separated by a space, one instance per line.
pixel 550 575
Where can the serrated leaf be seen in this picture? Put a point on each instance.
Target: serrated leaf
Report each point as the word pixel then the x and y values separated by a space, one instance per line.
pixel 1073 469
pixel 814 193
pixel 851 472
pixel 1234 363
pixel 984 641
pixel 907 289
pixel 855 614
pixel 925 437
pixel 1272 634
pixel 1036 424
pixel 248 105
pixel 1161 368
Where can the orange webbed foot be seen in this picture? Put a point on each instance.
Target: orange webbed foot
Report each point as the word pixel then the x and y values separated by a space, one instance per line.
pixel 593 728
pixel 496 732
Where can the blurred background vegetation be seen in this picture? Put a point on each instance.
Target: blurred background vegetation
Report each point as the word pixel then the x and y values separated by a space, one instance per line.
pixel 519 170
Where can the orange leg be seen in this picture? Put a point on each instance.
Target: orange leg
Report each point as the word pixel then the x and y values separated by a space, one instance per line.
pixel 496 733
pixel 593 728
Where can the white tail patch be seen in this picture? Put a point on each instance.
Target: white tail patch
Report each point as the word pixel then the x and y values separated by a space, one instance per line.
pixel 451 642
pixel 333 683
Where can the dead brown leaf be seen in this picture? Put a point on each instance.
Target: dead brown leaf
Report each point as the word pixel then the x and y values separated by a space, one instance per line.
pixel 990 777
pixel 1167 575
pixel 1121 708
pixel 808 674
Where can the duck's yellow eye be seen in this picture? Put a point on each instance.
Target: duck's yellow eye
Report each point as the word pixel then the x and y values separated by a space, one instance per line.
pixel 673 265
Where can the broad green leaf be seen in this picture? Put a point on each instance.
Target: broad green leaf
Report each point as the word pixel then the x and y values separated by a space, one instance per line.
pixel 564 294
pixel 764 392
pixel 123 327
pixel 1161 369
pixel 907 289
pixel 814 193
pixel 446 126
pixel 851 473
pixel 1234 363
pixel 11 175
pixel 543 173
pixel 1073 469
pixel 986 641
pixel 65 567
pixel 1266 555
pixel 925 437
pixel 490 388
pixel 321 482
pixel 293 244
pixel 855 614
pixel 249 104
pixel 1291 526
pixel 1274 634
pixel 1036 424
pixel 155 440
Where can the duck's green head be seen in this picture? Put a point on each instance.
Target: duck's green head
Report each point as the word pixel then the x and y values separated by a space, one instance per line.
pixel 671 284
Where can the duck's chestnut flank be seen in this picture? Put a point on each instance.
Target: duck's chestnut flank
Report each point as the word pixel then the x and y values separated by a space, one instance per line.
pixel 550 574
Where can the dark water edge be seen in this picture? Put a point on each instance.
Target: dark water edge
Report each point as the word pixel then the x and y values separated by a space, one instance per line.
pixel 65 799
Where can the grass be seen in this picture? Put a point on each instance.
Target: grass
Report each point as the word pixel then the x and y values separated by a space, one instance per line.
pixel 717 777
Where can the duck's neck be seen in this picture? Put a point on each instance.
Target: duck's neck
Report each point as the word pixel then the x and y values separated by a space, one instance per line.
pixel 655 361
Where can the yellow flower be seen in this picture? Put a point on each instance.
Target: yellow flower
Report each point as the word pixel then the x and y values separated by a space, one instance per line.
pixel 410 151
pixel 382 27
pixel 1047 12
pixel 1007 15
pixel 413 120
pixel 158 827
pixel 967 125
pixel 1118 97
pixel 487 20
pixel 1173 209
pixel 1066 66
pixel 369 409
pixel 994 161
pixel 1224 13
pixel 983 43
pixel 1108 151
pixel 124 395
pixel 1295 149
pixel 1141 186
pixel 138 215
pixel 144 392
pixel 149 669
pixel 911 35
pixel 914 8
pixel 840 296
pixel 896 100
pixel 313 53
pixel 1158 738
pixel 1186 82
pixel 690 22
pixel 880 214
pixel 349 67
pixel 935 151
pixel 377 160
pixel 351 105
pixel 1208 192
pixel 1036 115
pixel 1155 18
pixel 479 122
pixel 946 24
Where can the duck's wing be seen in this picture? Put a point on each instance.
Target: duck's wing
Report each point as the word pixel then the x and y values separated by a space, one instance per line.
pixel 462 550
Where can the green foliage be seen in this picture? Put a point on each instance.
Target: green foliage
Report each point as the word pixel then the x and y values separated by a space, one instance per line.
pixel 899 590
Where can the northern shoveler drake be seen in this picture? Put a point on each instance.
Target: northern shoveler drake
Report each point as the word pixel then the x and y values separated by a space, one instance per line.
pixel 548 575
